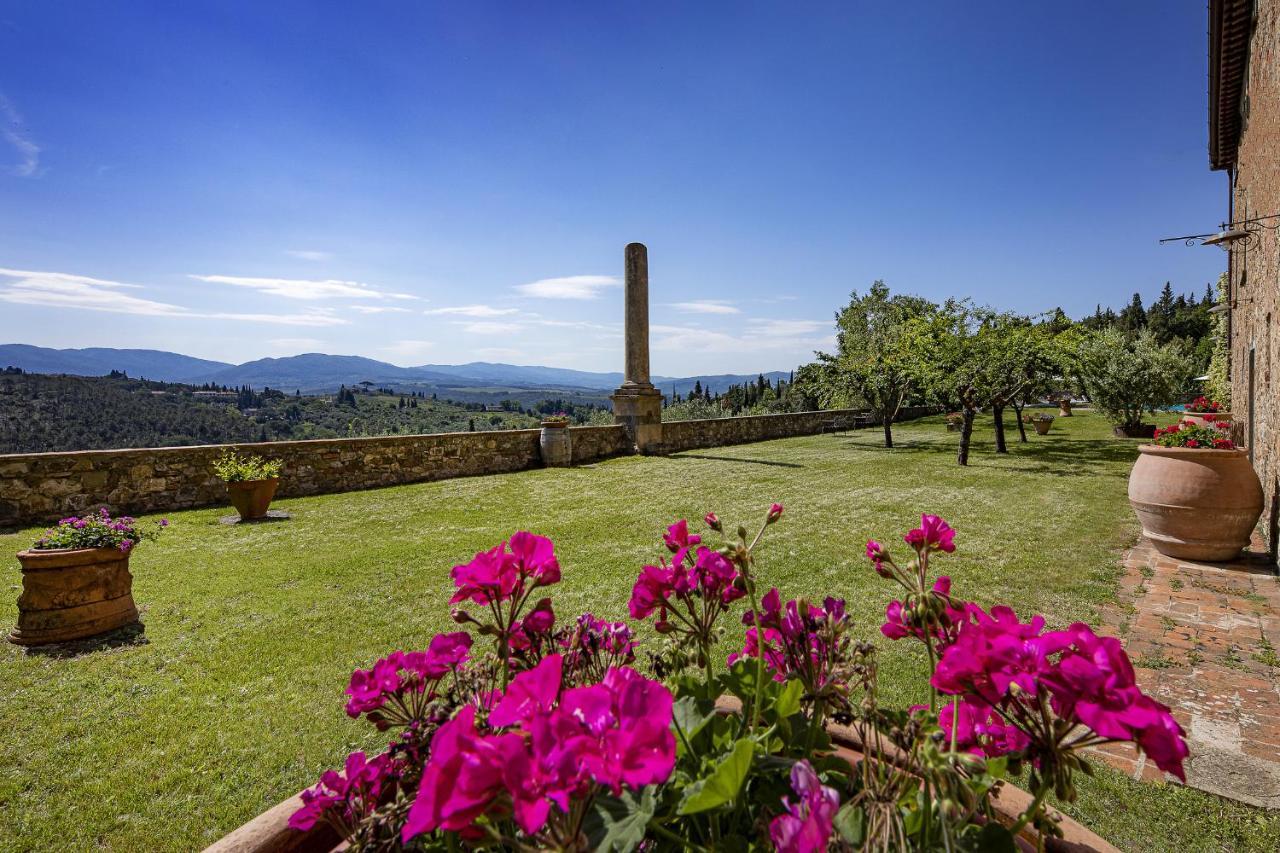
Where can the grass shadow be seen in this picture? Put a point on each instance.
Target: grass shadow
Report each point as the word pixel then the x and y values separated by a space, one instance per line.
pixel 133 634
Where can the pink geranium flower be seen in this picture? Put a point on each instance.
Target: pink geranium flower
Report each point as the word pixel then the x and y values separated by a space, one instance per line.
pixel 933 534
pixel 807 824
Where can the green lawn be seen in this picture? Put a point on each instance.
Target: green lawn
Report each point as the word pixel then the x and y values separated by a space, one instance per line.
pixel 235 701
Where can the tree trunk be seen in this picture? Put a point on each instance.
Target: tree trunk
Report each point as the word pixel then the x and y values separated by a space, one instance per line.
pixel 966 434
pixel 997 412
pixel 1022 428
pixel 886 421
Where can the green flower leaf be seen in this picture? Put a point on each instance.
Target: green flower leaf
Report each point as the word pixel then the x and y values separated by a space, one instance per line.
pixel 725 781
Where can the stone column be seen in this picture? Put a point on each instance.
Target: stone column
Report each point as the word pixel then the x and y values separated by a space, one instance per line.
pixel 637 405
pixel 636 312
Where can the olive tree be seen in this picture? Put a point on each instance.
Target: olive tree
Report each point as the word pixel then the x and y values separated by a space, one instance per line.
pixel 1128 374
pixel 877 358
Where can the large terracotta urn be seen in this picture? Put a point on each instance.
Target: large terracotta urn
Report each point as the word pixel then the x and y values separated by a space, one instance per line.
pixel 556 444
pixel 73 593
pixel 251 498
pixel 1193 503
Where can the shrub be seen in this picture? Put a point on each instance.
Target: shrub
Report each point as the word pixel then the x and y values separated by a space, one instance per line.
pixel 234 468
pixel 1126 375
pixel 97 530
pixel 551 739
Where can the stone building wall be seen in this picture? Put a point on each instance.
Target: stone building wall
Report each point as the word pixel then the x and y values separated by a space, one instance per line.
pixel 42 487
pixel 1255 267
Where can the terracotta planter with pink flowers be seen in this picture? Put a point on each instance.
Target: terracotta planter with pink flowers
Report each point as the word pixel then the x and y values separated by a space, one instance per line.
pixel 1208 419
pixel 269 832
pixel 70 594
pixel 1195 503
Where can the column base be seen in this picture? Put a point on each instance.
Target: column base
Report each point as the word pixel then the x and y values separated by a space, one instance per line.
pixel 639 409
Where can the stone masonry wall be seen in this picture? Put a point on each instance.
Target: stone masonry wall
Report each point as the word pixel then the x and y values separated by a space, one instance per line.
pixel 38 488
pixel 716 432
pixel 1255 285
pixel 42 487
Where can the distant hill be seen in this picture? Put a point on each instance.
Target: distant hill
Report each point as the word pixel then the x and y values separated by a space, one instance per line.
pixel 317 372
pixel 99 361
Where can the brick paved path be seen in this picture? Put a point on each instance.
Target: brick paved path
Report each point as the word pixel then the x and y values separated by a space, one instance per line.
pixel 1205 639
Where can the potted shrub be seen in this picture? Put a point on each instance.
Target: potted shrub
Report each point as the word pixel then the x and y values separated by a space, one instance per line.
pixel 251 482
pixel 1195 493
pixel 76 581
pixel 553 740
pixel 1128 375
pixel 955 421
pixel 1204 412
pixel 556 441
pixel 1041 421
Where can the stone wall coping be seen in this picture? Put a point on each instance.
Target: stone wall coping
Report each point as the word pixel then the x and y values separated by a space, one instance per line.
pixel 265 446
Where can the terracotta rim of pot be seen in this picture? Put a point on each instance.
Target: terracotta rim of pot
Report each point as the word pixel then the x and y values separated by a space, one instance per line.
pixel 58 558
pixel 269 832
pixel 1190 452
pixel 249 484
pixel 554 424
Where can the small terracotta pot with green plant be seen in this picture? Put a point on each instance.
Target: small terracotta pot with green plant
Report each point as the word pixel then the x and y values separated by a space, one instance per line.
pixel 251 482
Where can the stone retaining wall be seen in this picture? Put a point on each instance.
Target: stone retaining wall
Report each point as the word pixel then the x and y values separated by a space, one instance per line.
pixel 717 432
pixel 42 487
pixel 37 488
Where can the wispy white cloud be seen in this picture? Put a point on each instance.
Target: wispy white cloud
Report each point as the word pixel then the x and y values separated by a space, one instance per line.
pixel 609 329
pixel 758 334
pixel 407 349
pixel 66 290
pixel 568 287
pixel 489 327
pixel 787 328
pixel 706 306
pixel 377 309
pixel 296 344
pixel 472 311
pixel 309 255
pixel 506 353
pixel 13 130
pixel 307 289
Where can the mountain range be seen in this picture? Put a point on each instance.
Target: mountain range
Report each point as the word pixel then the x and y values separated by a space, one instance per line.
pixel 318 373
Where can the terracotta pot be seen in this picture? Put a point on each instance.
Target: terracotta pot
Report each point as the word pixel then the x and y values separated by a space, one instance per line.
pixel 252 497
pixel 1139 431
pixel 1195 504
pixel 1207 419
pixel 70 594
pixel 1042 426
pixel 556 444
pixel 1064 408
pixel 269 832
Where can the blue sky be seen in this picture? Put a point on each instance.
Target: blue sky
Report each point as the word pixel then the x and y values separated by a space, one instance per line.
pixel 422 182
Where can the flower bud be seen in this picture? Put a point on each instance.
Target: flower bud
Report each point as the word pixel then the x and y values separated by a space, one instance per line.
pixel 462 617
pixel 713 521
pixel 775 513
pixel 742 533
